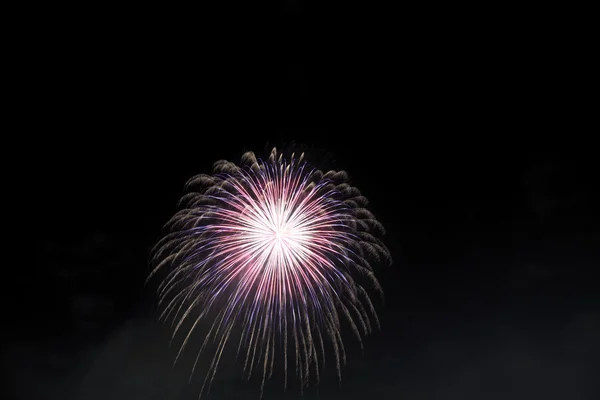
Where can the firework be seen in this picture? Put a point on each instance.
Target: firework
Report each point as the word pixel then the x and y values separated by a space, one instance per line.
pixel 275 250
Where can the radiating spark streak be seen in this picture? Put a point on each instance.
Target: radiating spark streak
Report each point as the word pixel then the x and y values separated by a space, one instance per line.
pixel 277 249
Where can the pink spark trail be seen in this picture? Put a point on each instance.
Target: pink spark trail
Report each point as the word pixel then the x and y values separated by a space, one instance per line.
pixel 277 249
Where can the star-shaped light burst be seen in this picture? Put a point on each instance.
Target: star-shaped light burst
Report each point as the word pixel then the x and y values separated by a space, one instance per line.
pixel 275 248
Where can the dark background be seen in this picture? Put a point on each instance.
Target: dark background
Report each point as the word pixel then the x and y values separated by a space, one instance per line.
pixel 460 125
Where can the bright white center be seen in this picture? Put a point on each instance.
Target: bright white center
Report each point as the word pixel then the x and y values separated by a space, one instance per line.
pixel 279 235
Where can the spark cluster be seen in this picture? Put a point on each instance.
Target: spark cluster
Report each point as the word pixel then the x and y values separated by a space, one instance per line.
pixel 278 251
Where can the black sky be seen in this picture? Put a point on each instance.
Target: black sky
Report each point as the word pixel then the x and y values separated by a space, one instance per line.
pixel 462 136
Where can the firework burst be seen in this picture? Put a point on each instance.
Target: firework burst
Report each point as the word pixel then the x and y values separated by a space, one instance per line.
pixel 276 250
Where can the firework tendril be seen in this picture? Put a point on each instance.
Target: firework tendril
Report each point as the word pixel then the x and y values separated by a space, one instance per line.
pixel 280 253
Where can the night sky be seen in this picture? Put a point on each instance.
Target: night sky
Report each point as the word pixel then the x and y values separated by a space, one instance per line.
pixel 493 223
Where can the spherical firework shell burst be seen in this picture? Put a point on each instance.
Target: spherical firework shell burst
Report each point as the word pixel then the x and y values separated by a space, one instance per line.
pixel 276 249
